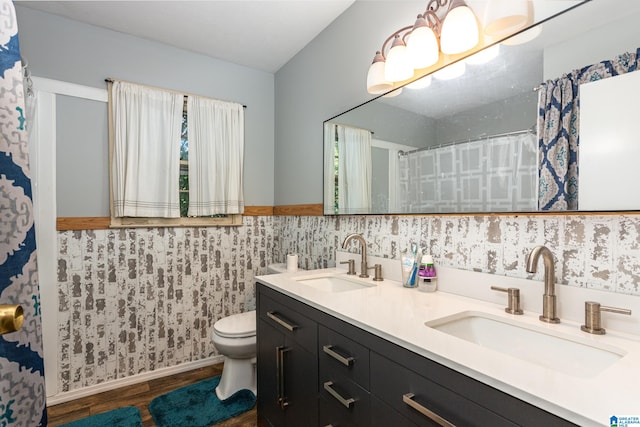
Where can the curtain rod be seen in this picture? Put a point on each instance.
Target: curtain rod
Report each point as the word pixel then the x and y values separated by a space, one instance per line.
pixel 447 144
pixel 111 80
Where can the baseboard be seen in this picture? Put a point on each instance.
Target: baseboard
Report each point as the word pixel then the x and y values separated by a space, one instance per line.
pixel 134 379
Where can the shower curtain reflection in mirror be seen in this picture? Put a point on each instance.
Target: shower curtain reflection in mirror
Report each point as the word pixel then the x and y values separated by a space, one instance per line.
pixel 495 174
pixel 348 168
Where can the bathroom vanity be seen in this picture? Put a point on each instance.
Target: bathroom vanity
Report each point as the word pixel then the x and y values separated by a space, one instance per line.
pixel 331 357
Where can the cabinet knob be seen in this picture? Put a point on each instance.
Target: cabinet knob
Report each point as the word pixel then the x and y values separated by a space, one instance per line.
pixel 513 299
pixel 593 318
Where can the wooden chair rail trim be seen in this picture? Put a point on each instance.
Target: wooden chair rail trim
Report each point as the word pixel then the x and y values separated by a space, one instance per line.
pixel 102 222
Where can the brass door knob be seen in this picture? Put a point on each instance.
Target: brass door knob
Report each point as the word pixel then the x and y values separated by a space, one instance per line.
pixel 11 318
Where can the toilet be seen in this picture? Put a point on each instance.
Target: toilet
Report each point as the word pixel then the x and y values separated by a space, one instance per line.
pixel 235 338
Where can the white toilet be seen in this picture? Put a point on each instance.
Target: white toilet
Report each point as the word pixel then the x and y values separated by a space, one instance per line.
pixel 235 338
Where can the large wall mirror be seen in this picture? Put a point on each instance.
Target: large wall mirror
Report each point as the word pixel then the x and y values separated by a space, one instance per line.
pixel 478 142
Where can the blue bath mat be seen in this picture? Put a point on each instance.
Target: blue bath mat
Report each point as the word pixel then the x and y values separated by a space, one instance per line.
pixel 129 416
pixel 197 405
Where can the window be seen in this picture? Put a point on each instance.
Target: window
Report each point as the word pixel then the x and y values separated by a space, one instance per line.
pixel 175 160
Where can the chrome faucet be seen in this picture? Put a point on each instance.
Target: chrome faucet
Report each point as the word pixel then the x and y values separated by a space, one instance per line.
pixel 549 297
pixel 363 263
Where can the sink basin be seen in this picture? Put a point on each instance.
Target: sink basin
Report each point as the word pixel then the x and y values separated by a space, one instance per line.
pixel 333 283
pixel 563 353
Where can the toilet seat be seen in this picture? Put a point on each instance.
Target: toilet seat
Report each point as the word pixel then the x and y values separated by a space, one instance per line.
pixel 239 325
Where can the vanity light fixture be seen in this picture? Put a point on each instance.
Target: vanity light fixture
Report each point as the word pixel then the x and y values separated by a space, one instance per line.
pixel 447 27
pixel 504 17
pixel 416 46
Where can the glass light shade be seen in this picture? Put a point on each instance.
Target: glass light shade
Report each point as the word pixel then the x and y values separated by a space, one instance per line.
pixel 422 47
pixel 421 83
pixel 484 55
pixel 398 66
pixel 504 17
pixel 451 71
pixel 524 37
pixel 376 83
pixel 459 31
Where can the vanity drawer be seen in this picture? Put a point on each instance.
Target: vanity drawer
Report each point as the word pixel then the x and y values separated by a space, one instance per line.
pixel 410 394
pixel 382 415
pixel 343 401
pixel 293 324
pixel 344 356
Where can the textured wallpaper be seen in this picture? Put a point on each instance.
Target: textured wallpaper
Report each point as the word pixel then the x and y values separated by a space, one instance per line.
pixel 599 252
pixel 135 300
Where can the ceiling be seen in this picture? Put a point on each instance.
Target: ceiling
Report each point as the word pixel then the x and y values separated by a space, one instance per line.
pixel 261 34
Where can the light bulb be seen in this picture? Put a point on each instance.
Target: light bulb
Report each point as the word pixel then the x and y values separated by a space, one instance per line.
pixel 398 67
pixel 376 83
pixel 505 17
pixel 422 47
pixel 459 31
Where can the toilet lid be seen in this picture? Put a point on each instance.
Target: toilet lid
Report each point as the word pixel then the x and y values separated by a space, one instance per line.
pixel 237 325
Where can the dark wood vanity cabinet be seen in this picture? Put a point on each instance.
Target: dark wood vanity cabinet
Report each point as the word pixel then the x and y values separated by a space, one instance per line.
pixel 321 371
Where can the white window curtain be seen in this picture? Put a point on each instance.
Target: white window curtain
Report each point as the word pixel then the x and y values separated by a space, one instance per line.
pixel 216 156
pixel 354 170
pixel 146 151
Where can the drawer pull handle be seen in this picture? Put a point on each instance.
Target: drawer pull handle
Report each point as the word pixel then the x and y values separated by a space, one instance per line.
pixel 408 399
pixel 346 402
pixel 272 315
pixel 346 361
pixel 280 392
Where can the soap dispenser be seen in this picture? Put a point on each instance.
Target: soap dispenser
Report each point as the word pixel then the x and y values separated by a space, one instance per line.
pixel 427 275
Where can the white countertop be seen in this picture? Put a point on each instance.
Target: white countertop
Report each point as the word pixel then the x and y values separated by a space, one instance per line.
pixel 397 314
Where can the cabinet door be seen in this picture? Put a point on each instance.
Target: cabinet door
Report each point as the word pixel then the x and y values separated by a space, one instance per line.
pixel 300 371
pixel 287 362
pixel 268 340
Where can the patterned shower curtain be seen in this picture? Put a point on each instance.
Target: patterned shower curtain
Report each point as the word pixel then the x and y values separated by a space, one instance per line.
pixel 558 124
pixel 22 391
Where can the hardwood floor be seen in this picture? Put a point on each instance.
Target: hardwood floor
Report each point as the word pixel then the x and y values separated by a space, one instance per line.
pixel 140 395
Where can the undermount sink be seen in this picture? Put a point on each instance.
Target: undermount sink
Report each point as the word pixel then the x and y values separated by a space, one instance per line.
pixel 333 283
pixel 540 346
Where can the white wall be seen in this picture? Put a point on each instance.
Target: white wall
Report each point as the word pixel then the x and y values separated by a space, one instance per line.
pixel 604 41
pixel 326 78
pixel 66 50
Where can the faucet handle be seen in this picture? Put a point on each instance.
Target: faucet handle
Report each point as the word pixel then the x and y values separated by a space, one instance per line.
pixel 377 268
pixel 513 299
pixel 352 266
pixel 593 318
